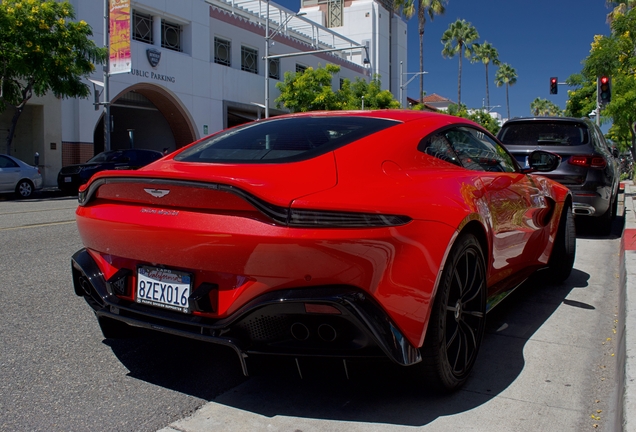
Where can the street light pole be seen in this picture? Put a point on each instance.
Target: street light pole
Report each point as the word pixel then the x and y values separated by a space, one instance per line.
pixel 403 86
pixel 107 121
pixel 267 60
pixel 267 57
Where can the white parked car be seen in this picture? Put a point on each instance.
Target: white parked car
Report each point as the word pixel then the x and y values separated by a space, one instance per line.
pixel 18 177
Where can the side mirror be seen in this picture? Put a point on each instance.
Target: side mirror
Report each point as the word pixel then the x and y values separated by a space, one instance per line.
pixel 543 161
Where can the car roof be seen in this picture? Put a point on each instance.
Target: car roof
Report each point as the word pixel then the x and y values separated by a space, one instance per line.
pixel 402 115
pixel 581 120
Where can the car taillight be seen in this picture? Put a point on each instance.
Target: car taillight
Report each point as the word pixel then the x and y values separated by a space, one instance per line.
pixel 589 161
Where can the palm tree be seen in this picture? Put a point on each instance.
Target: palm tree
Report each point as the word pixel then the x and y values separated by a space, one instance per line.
pixel 458 39
pixel 424 7
pixel 539 107
pixel 486 53
pixel 507 75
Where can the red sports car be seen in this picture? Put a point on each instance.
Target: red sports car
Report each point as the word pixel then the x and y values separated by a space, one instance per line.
pixel 340 234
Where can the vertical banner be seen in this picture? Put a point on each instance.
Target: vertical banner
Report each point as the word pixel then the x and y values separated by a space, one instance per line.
pixel 119 29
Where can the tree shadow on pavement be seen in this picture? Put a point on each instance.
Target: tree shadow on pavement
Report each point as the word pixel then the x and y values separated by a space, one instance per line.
pixel 374 391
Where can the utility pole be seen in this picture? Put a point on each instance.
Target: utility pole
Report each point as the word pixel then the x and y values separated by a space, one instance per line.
pixel 107 119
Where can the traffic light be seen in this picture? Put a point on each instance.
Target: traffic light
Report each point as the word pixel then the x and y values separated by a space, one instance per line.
pixel 554 85
pixel 604 89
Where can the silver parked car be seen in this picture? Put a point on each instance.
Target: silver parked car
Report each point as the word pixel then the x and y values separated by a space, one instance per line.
pixel 18 177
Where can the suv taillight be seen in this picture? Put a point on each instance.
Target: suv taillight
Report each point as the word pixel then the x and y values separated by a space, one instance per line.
pixel 589 161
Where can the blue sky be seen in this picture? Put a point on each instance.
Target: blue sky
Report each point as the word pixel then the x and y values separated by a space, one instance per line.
pixel 539 38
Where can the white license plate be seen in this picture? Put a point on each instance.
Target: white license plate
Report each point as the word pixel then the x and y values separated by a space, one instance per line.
pixel 168 289
pixel 67 179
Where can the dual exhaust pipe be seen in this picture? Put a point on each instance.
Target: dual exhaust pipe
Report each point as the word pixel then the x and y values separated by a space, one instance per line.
pixel 326 332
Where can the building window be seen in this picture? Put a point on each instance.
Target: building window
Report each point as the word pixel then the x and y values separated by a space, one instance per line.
pixel 300 68
pixel 342 81
pixel 142 27
pixel 222 51
pixel 170 36
pixel 274 68
pixel 249 59
pixel 334 13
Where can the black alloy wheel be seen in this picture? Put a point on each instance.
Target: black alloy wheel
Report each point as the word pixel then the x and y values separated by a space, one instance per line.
pixel 458 318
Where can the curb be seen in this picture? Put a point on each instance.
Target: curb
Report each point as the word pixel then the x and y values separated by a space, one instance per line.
pixel 626 395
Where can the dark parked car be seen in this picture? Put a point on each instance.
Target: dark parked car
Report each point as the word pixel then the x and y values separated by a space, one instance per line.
pixel 71 177
pixel 589 166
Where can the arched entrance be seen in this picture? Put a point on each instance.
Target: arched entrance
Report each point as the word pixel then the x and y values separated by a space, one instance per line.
pixel 146 116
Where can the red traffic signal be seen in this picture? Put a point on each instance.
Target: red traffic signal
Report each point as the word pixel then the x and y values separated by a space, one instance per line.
pixel 604 89
pixel 554 85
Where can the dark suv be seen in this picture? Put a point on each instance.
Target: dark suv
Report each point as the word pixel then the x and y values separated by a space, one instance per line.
pixel 71 177
pixel 589 167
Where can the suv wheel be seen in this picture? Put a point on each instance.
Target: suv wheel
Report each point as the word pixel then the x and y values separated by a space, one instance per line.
pixel 605 221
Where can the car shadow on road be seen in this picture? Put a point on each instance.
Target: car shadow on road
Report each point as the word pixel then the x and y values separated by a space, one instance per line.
pixel 375 391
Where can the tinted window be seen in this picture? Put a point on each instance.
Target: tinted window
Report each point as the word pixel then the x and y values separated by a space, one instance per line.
pixel 438 146
pixel 477 151
pixel 544 133
pixel 286 139
pixel 109 156
pixel 145 157
pixel 5 162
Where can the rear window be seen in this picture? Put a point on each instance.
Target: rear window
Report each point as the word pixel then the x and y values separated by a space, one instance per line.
pixel 544 133
pixel 285 139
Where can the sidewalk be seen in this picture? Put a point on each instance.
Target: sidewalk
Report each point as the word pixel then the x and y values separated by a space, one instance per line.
pixel 627 322
pixel 211 417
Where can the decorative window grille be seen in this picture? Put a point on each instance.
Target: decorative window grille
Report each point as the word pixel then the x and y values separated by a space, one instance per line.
pixel 300 68
pixel 170 36
pixel 249 60
pixel 222 51
pixel 142 27
pixel 334 14
pixel 274 68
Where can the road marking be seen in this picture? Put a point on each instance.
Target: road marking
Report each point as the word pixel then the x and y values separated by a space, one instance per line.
pixel 37 225
pixel 39 211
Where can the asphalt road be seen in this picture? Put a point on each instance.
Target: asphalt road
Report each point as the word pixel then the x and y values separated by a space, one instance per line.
pixel 546 362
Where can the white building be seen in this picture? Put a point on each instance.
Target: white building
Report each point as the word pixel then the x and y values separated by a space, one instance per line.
pixel 210 72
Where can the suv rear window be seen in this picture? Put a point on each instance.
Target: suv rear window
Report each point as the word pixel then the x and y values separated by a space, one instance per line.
pixel 283 140
pixel 544 133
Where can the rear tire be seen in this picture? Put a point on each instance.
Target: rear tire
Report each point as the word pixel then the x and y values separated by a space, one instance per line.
pixel 24 189
pixel 605 221
pixel 564 251
pixel 458 318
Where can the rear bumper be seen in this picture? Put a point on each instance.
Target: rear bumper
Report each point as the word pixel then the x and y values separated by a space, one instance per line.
pixel 591 202
pixel 277 322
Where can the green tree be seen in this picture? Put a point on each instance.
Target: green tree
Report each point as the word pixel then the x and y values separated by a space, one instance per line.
pixel 424 8
pixel 374 96
pixel 481 117
pixel 582 98
pixel 311 90
pixel 543 107
pixel 613 55
pixel 507 75
pixel 42 49
pixel 618 8
pixel 458 39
